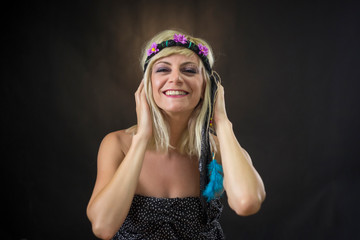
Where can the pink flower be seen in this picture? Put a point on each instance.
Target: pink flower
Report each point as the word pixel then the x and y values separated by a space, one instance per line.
pixel 203 50
pixel 180 38
pixel 152 49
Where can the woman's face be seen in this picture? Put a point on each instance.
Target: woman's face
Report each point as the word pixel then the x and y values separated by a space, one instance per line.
pixel 177 83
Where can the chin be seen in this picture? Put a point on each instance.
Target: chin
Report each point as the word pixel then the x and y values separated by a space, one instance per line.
pixel 176 110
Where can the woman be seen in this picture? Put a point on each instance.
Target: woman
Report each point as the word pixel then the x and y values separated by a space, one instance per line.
pixel 147 184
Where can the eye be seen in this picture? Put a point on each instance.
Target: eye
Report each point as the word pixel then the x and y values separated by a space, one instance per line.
pixel 190 70
pixel 162 69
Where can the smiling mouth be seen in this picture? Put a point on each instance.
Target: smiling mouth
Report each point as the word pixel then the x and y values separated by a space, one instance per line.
pixel 175 93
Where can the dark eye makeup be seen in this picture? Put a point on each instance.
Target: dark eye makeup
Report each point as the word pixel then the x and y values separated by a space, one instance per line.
pixel 162 69
pixel 187 69
pixel 190 70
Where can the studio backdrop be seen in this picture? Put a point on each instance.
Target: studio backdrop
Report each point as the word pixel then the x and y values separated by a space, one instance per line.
pixel 290 72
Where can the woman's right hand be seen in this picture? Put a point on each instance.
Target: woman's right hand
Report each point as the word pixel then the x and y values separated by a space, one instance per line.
pixel 118 172
pixel 144 120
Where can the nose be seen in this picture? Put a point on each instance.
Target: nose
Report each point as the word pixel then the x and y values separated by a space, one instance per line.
pixel 175 76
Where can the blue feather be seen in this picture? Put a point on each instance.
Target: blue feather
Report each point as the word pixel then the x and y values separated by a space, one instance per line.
pixel 215 187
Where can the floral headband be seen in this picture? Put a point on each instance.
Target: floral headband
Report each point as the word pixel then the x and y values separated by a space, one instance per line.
pixel 181 41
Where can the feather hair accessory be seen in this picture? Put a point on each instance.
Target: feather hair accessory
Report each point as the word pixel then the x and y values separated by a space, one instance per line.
pixel 215 187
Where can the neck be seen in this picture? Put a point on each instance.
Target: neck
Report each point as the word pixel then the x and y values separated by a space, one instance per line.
pixel 178 123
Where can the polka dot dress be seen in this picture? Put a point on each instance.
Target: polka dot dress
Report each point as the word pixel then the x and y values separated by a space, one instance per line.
pixel 171 218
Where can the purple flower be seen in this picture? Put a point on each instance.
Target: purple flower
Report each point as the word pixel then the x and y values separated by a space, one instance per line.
pixel 180 38
pixel 152 49
pixel 203 50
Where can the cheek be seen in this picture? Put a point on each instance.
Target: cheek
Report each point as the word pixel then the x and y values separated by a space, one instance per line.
pixel 156 86
pixel 201 88
pixel 198 91
pixel 156 83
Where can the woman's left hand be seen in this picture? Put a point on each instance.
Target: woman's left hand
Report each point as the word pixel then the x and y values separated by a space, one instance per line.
pixel 219 108
pixel 243 185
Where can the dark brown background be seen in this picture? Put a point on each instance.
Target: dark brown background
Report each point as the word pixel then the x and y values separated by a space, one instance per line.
pixel 290 71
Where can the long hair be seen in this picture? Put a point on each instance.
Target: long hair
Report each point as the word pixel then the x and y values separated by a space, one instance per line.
pixel 190 141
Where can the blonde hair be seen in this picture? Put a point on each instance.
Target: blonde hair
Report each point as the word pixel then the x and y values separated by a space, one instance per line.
pixel 190 142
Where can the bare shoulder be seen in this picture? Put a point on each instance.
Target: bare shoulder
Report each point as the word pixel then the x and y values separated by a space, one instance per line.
pixel 112 151
pixel 115 145
pixel 121 138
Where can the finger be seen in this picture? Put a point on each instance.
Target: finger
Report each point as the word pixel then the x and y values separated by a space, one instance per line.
pixel 141 86
pixel 143 94
pixel 145 100
pixel 138 91
pixel 221 89
pixel 217 91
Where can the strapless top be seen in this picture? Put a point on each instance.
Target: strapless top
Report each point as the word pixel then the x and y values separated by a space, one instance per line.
pixel 171 218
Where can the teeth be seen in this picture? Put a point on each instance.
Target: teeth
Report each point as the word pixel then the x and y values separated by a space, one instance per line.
pixel 172 93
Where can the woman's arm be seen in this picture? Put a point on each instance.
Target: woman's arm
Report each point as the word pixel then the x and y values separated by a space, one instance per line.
pixel 244 187
pixel 118 175
pixel 115 186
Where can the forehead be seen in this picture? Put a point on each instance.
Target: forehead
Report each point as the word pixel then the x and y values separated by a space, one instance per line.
pixel 180 59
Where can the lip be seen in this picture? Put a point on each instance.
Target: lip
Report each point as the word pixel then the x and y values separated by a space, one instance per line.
pixel 175 96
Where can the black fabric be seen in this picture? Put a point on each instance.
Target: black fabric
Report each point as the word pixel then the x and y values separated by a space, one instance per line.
pixel 171 218
pixel 206 156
